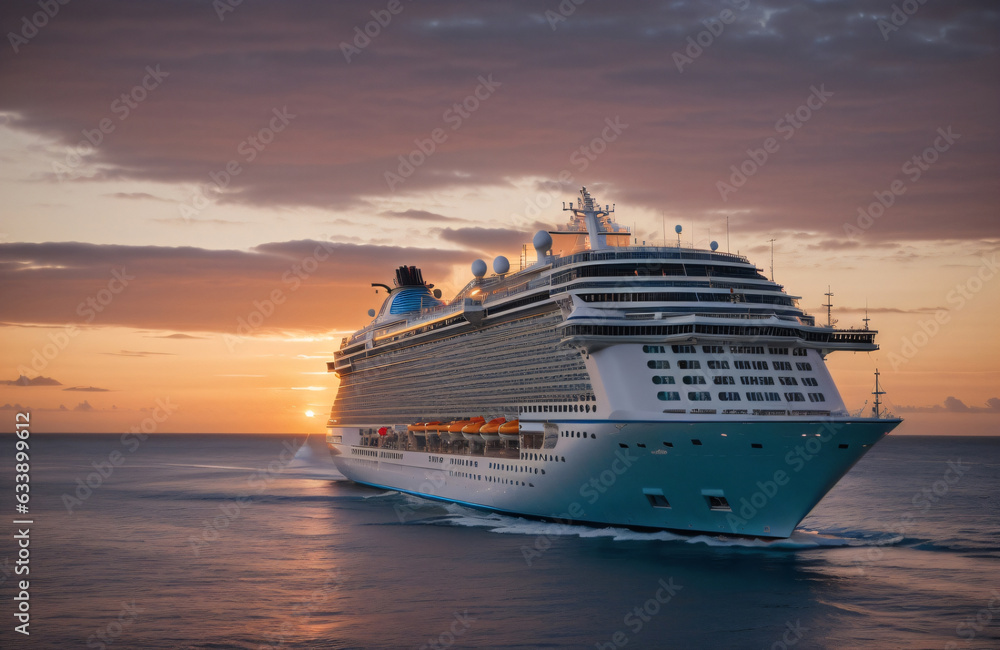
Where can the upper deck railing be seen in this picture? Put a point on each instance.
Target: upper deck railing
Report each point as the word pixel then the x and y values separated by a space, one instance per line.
pixel 646 252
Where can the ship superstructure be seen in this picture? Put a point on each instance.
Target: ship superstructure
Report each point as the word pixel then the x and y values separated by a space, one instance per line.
pixel 606 383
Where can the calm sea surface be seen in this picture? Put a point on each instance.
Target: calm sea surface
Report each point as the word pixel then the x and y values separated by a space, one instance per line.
pixel 230 542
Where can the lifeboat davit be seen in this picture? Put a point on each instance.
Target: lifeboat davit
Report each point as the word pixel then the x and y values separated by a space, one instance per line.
pixel 509 430
pixel 491 430
pixel 416 429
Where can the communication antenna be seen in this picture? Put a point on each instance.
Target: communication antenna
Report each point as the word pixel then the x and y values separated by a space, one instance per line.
pixel 772 258
pixel 727 233
pixel 677 229
pixel 866 319
pixel 876 409
pixel 663 222
pixel 829 307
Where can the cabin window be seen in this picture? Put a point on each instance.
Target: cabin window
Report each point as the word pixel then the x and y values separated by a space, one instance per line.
pixel 700 396
pixel 782 365
pixel 817 397
pixel 668 396
pixel 723 379
pixel 809 381
pixel 693 379
pixel 716 364
pixel 686 364
pixel 788 381
pixel 803 365
pixel 712 349
pixel 717 503
pixel 683 349
pixel 795 397
pixel 663 379
pixel 657 500
pixel 729 397
pixel 658 364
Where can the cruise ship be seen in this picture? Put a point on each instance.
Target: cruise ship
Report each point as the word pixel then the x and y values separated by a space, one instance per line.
pixel 603 383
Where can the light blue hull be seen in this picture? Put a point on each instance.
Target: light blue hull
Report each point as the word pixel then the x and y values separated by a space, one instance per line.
pixel 755 478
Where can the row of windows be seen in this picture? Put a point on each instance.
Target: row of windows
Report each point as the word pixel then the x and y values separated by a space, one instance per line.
pixel 746 380
pixel 759 380
pixel 728 396
pixel 716 364
pixel 803 365
pixel 688 364
pixel 559 408
pixel 752 365
pixel 734 349
pixel 660 364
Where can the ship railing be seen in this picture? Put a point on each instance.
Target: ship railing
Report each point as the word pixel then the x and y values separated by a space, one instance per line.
pixel 646 252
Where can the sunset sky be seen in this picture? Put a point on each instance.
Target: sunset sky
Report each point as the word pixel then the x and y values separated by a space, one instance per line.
pixel 197 195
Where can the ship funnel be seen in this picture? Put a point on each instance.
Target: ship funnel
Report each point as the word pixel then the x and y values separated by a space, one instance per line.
pixel 409 276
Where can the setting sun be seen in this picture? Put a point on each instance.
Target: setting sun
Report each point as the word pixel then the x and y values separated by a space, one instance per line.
pixel 309 414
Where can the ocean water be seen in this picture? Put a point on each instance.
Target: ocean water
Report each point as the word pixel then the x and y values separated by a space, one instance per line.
pixel 254 542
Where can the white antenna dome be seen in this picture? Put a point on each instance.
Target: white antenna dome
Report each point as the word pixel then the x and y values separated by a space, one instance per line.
pixel 501 264
pixel 479 269
pixel 714 245
pixel 677 229
pixel 542 241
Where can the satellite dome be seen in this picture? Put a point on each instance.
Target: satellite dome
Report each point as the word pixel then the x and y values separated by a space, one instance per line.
pixel 714 245
pixel 501 264
pixel 677 229
pixel 371 313
pixel 479 268
pixel 542 241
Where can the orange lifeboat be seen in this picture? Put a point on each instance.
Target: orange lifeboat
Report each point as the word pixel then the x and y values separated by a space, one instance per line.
pixel 471 430
pixel 416 429
pixel 491 430
pixel 431 427
pixel 509 430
